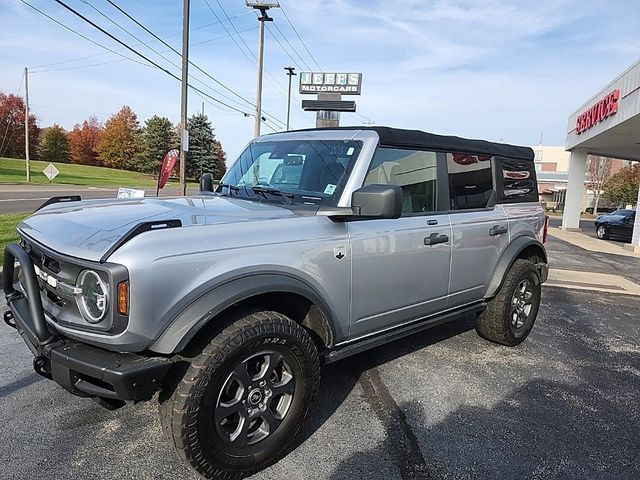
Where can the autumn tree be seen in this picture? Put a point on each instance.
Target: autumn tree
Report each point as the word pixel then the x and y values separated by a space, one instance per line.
pixel 54 146
pixel 120 144
pixel 205 153
pixel 12 128
pixel 622 187
pixel 157 138
pixel 598 172
pixel 83 141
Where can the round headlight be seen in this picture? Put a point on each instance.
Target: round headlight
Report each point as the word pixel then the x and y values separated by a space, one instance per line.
pixel 93 299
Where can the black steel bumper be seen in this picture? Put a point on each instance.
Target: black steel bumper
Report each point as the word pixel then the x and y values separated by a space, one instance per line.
pixel 84 370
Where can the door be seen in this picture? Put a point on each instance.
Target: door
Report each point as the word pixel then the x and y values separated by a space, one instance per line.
pixel 480 233
pixel 400 269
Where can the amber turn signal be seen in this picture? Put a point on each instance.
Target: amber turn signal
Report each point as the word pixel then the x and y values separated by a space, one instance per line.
pixel 123 298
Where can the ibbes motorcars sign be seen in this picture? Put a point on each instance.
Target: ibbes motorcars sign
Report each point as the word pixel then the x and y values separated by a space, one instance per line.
pixel 597 113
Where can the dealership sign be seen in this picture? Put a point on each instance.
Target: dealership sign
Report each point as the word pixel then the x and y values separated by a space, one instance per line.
pixel 597 113
pixel 341 83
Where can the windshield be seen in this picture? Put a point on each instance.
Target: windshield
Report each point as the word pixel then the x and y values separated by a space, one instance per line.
pixel 308 171
pixel 624 212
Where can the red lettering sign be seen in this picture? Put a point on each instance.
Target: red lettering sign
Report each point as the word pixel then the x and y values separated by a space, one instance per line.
pixel 598 112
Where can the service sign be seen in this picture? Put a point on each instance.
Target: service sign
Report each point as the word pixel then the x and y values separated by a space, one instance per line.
pixel 597 113
pixel 320 82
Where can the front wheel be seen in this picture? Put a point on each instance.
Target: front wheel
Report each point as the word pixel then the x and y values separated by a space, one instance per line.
pixel 602 232
pixel 244 397
pixel 510 315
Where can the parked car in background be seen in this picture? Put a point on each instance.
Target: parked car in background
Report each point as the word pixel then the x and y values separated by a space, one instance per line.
pixel 617 224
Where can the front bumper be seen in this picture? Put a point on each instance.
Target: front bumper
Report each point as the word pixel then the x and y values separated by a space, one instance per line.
pixel 82 369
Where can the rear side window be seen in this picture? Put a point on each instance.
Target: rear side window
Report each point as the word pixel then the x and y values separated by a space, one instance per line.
pixel 516 180
pixel 470 180
pixel 415 171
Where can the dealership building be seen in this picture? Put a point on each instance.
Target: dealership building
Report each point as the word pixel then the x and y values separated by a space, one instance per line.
pixel 607 125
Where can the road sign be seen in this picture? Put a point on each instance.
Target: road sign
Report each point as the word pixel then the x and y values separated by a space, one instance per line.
pixel 51 171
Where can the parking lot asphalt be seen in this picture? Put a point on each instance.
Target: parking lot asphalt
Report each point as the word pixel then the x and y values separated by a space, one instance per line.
pixel 443 404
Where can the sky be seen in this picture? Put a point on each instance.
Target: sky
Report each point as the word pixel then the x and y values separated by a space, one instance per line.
pixel 500 70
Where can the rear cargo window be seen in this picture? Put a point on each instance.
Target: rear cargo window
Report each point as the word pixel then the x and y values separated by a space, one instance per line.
pixel 516 180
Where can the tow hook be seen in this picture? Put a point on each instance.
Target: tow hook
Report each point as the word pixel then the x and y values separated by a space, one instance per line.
pixel 9 319
pixel 41 366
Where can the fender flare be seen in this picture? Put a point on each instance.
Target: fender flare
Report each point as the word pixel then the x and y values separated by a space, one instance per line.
pixel 509 256
pixel 207 306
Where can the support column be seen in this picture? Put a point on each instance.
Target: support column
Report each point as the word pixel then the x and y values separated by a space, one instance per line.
pixel 634 246
pixel 575 190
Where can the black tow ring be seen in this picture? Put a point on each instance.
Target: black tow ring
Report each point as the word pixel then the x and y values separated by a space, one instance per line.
pixel 9 320
pixel 41 366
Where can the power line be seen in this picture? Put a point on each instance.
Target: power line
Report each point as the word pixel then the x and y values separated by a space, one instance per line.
pixel 190 62
pixel 300 38
pixel 154 50
pixel 284 49
pixel 76 59
pixel 128 48
pixel 81 35
pixel 292 48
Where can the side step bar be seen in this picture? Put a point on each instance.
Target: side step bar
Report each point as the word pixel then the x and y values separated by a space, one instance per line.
pixel 358 346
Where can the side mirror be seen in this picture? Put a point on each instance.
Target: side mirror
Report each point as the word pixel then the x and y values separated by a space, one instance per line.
pixel 377 201
pixel 206 182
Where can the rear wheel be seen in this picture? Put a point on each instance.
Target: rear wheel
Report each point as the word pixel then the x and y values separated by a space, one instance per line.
pixel 602 232
pixel 510 315
pixel 244 397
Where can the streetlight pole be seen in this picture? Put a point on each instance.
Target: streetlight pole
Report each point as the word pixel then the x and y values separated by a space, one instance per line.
pixel 264 17
pixel 184 134
pixel 290 73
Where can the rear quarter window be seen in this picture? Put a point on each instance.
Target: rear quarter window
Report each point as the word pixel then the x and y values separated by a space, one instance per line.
pixel 516 180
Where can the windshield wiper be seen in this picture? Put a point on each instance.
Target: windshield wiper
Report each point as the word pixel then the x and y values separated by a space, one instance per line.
pixel 232 188
pixel 273 191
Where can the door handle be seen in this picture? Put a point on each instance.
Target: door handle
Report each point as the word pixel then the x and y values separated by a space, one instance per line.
pixel 497 230
pixel 435 238
pixel 432 221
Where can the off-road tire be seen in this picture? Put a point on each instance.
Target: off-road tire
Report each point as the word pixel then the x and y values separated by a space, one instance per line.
pixel 602 232
pixel 495 322
pixel 186 410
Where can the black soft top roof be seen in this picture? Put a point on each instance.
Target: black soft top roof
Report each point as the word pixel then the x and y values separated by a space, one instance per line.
pixel 401 138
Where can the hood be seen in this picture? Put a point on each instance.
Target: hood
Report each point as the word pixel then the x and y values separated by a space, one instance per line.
pixel 88 229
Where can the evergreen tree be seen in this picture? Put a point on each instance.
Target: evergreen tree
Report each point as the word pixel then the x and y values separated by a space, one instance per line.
pixel 157 138
pixel 120 144
pixel 54 146
pixel 205 153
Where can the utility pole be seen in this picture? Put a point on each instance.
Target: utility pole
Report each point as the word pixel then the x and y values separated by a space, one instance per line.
pixel 184 134
pixel 290 74
pixel 26 122
pixel 264 17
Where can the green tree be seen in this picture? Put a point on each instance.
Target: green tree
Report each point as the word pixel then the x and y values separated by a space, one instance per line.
pixel 157 138
pixel 120 144
pixel 54 146
pixel 205 153
pixel 622 187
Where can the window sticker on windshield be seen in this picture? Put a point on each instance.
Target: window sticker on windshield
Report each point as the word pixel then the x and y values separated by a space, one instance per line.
pixel 329 189
pixel 350 151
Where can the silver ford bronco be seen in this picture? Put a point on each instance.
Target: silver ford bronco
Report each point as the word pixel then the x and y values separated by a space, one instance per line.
pixel 316 245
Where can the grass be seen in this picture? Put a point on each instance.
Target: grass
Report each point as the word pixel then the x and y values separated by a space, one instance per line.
pixel 8 224
pixel 13 171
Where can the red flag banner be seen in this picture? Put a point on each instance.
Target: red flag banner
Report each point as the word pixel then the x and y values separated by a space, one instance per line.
pixel 168 163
